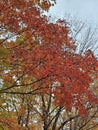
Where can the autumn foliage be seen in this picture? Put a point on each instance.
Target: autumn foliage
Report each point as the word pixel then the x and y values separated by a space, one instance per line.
pixel 38 57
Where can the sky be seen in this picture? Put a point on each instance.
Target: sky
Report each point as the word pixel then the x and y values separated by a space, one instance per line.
pixel 86 10
pixel 83 10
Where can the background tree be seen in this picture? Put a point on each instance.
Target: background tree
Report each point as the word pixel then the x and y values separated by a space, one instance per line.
pixel 84 34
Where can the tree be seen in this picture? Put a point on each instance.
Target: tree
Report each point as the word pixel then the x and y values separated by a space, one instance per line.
pixel 41 61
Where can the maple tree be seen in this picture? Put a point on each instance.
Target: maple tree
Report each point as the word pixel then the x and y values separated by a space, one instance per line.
pixel 38 57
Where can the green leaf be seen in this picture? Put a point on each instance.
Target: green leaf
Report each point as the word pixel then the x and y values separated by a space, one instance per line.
pixel 4 52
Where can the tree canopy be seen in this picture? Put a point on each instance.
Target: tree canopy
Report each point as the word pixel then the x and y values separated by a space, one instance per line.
pixel 38 58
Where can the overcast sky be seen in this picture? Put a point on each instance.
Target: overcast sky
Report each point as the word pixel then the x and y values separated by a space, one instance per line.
pixel 84 9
